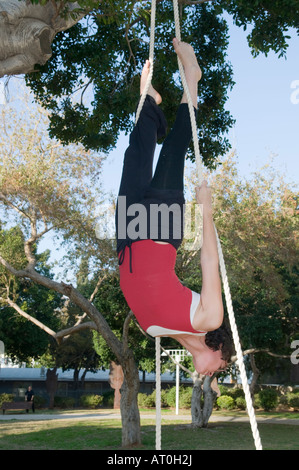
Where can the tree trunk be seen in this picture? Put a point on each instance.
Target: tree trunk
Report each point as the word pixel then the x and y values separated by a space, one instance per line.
pixel 255 376
pixel 129 404
pixel 196 411
pixel 82 379
pixel 76 378
pixel 51 385
pixel 209 396
pixel 200 413
pixel 26 34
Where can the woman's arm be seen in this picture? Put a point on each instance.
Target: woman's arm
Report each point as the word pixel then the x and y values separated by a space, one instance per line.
pixel 209 313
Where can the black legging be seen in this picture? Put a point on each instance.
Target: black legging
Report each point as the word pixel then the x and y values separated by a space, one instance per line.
pixel 167 185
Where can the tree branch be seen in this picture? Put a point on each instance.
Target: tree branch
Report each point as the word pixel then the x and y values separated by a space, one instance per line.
pixel 75 329
pixel 28 317
pixel 257 350
pixel 82 317
pixel 78 299
pixel 11 204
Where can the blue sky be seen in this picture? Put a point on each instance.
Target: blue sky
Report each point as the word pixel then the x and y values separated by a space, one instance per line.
pixel 267 121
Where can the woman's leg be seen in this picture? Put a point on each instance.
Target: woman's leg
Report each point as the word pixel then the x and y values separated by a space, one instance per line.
pixel 138 160
pixel 169 172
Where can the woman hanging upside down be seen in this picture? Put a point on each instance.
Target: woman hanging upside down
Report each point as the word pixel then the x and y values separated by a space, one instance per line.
pixel 147 243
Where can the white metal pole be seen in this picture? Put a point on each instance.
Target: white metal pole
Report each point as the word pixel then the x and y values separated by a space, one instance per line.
pixel 177 386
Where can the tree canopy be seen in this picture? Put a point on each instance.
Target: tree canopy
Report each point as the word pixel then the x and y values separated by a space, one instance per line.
pixel 23 340
pixel 91 83
pixel 257 221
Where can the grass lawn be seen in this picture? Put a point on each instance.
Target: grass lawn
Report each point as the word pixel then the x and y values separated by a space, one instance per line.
pixel 96 434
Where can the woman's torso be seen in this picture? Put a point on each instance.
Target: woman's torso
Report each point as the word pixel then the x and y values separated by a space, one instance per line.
pixel 161 304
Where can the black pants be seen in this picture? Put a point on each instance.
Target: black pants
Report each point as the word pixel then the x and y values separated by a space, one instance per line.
pixel 138 185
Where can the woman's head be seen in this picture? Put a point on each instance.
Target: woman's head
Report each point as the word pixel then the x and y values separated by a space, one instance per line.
pixel 218 352
pixel 221 339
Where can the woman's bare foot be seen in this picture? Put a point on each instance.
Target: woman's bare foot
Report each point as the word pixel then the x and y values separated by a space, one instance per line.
pixel 152 92
pixel 188 58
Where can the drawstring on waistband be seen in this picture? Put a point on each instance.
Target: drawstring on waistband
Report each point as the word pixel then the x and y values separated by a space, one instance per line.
pixel 122 255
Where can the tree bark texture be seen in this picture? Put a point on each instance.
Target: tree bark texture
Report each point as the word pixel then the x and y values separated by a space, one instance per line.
pixel 129 404
pixel 51 385
pixel 201 410
pixel 196 411
pixel 26 34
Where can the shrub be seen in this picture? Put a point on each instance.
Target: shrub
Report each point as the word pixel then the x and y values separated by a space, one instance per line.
pixel 224 390
pixel 268 399
pixel 171 396
pixel 241 403
pixel 283 400
pixel 146 401
pixel 231 392
pixel 64 402
pixel 257 401
pixel 6 397
pixel 293 400
pixel 108 398
pixel 91 401
pixel 149 401
pixel 225 402
pixel 142 400
pixel 185 397
pixel 236 393
pixel 163 398
pixel 40 402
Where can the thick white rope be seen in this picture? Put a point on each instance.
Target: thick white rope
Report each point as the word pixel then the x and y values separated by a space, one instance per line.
pixel 151 59
pixel 140 105
pixel 190 104
pixel 240 359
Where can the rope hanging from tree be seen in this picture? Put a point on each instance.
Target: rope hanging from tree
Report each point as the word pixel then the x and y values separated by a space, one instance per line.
pixel 236 339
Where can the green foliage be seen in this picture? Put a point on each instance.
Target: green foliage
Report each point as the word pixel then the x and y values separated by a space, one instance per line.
pixel 268 399
pixel 241 403
pixel 146 401
pixel 91 401
pixel 77 352
pixel 107 53
pixel 185 394
pixel 40 402
pixel 235 392
pixel 6 397
pixel 24 340
pixel 257 224
pixel 101 59
pixel 269 21
pixel 108 399
pixel 168 398
pixel 225 402
pixel 64 402
pixel 293 400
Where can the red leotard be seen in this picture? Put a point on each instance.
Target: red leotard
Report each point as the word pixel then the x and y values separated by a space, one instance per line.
pixel 159 301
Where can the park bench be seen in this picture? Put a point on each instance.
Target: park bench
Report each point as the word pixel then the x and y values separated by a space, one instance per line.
pixel 13 405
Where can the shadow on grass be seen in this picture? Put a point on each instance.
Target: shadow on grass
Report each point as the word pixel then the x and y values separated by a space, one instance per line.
pixel 106 435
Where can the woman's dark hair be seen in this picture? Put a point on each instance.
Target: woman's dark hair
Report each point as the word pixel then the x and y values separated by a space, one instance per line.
pixel 221 339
